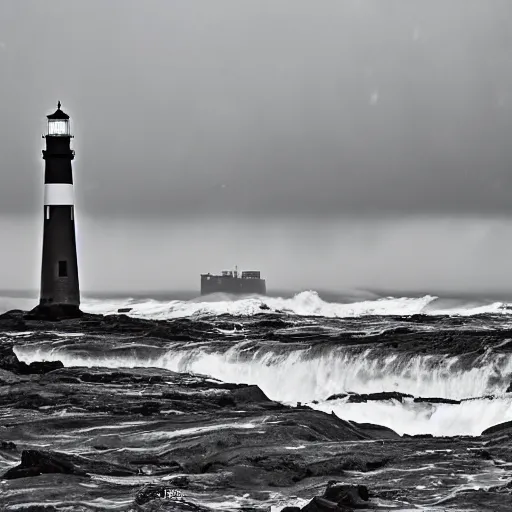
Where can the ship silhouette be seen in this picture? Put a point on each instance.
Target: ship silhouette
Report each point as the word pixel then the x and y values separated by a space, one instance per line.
pixel 231 281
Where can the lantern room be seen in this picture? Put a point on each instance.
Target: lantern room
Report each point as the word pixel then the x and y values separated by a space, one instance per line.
pixel 58 124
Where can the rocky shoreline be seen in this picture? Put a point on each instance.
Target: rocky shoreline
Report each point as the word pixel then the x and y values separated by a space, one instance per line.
pixel 141 439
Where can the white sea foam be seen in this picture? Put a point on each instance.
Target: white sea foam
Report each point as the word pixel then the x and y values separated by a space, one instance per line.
pixel 300 374
pixel 290 374
pixel 468 418
pixel 307 303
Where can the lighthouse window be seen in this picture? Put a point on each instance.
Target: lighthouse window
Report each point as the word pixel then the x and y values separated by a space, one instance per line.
pixel 58 128
pixel 63 269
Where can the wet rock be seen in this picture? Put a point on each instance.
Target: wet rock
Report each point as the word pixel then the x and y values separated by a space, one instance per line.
pixel 38 508
pixel 355 496
pixel 8 359
pixel 36 462
pixel 337 396
pixel 181 482
pixel 13 320
pixel 378 431
pixel 151 492
pixel 253 394
pixel 7 445
pixel 483 454
pixel 54 312
pixel 147 409
pixel 161 497
pixel 318 504
pixel 40 367
pixel 393 395
pixel 8 378
pixel 226 401
pixel 437 400
pixel 507 425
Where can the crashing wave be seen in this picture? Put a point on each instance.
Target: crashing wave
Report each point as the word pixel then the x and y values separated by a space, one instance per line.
pixel 307 303
pixel 302 374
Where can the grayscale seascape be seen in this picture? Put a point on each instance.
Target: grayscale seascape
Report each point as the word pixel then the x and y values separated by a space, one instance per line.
pixel 260 258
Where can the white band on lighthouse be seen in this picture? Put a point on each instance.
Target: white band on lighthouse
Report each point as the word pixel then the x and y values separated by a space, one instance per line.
pixel 58 194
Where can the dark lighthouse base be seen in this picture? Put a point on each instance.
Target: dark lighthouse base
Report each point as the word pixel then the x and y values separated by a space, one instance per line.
pixel 55 312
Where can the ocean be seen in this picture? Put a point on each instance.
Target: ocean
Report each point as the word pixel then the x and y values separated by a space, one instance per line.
pixel 306 347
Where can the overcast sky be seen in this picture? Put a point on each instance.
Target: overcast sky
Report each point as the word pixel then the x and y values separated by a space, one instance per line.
pixel 322 138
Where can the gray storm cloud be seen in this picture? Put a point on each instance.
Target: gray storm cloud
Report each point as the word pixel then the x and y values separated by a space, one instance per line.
pixel 341 144
pixel 262 108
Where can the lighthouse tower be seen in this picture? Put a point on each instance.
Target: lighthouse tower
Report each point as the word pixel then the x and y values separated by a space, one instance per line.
pixel 60 292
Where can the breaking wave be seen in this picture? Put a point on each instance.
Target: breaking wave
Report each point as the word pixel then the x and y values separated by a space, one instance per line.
pixel 467 418
pixel 301 375
pixel 307 303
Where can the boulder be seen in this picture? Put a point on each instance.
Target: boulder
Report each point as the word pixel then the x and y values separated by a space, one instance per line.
pixel 40 367
pixel 506 425
pixel 354 496
pixel 318 504
pixel 36 462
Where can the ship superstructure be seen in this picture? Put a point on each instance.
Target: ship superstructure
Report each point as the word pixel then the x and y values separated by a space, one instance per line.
pixel 231 281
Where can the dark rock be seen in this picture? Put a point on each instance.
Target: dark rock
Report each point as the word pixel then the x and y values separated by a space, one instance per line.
pixel 8 359
pixel 378 431
pixel 147 408
pixel 8 378
pixel 7 445
pixel 392 395
pixel 54 312
pixel 483 454
pixel 509 389
pixel 38 508
pixel 226 401
pixel 338 396
pixel 13 320
pixel 290 509
pixel 36 462
pixel 497 428
pixel 354 496
pixel 182 482
pixel 264 307
pixel 40 367
pixel 437 400
pixel 161 497
pixel 150 492
pixel 124 310
pixel 252 394
pixel 318 504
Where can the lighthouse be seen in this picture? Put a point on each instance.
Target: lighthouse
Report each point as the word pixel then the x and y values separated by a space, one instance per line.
pixel 60 292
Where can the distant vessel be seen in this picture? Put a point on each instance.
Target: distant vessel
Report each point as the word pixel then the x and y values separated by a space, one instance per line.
pixel 230 281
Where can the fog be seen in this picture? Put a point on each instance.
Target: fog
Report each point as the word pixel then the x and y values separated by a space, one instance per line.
pixel 431 255
pixel 336 145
